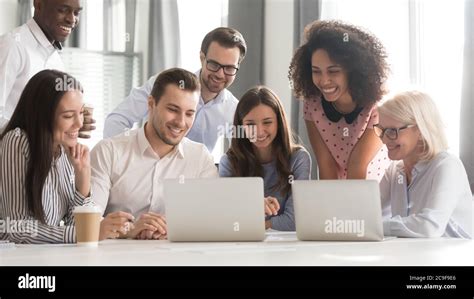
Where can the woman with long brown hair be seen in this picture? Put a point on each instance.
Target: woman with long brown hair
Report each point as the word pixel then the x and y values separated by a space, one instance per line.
pixel 267 150
pixel 44 171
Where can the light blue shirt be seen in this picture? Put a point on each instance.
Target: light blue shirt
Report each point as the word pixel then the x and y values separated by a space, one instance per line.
pixel 300 165
pixel 437 202
pixel 212 118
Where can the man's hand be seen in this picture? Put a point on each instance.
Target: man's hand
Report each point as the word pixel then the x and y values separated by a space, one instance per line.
pixel 87 127
pixel 114 225
pixel 148 221
pixel 150 235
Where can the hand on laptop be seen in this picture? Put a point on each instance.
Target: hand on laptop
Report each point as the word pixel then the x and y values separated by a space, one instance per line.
pixel 271 206
pixel 150 221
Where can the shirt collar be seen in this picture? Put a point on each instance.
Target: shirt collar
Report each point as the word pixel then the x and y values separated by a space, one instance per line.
pixel 41 37
pixel 62 152
pixel 420 166
pixel 334 115
pixel 179 149
pixel 399 166
pixel 57 45
pixel 144 144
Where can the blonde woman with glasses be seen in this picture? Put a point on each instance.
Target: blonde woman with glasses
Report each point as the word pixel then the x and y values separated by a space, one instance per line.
pixel 425 191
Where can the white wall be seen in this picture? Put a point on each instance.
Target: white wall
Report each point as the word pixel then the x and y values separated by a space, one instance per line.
pixel 8 15
pixel 278 48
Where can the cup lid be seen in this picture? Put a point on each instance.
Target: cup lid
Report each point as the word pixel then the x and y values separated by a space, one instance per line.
pixel 87 209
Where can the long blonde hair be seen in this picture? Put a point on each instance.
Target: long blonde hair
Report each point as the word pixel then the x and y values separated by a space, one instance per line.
pixel 417 108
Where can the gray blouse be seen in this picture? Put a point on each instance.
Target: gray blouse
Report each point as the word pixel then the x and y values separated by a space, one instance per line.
pixel 438 201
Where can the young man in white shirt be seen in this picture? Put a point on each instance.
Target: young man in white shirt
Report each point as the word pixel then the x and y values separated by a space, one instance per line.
pixel 33 47
pixel 128 169
pixel 222 51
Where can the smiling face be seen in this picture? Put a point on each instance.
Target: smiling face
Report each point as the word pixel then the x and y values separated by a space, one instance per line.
pixel 261 126
pixel 173 115
pixel 407 145
pixel 68 119
pixel 329 77
pixel 57 18
pixel 215 82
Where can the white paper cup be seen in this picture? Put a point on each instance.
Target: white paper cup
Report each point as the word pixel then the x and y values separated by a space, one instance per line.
pixel 87 220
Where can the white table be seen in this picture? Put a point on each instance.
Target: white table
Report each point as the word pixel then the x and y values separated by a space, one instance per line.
pixel 278 249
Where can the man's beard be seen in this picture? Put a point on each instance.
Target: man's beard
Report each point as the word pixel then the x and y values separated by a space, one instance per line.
pixel 163 137
pixel 207 84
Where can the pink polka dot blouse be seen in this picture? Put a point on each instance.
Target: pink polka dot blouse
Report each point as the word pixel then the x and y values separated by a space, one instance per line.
pixel 340 137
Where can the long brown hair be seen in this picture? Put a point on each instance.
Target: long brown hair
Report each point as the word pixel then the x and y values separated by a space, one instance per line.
pixel 35 114
pixel 244 161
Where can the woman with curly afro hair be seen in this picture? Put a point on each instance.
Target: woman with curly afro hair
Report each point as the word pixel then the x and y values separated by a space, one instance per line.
pixel 340 71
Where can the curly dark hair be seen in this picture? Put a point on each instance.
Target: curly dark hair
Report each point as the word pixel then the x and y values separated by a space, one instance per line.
pixel 360 53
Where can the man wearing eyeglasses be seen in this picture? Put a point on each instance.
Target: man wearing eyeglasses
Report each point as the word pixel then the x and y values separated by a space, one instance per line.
pixel 222 51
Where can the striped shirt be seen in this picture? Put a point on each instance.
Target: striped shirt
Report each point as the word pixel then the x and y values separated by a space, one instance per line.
pixel 59 196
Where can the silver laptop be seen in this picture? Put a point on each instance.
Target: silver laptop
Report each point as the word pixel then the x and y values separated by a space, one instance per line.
pixel 221 209
pixel 338 210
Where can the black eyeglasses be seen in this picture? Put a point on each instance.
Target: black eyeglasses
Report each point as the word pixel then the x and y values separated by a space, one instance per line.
pixel 391 133
pixel 214 66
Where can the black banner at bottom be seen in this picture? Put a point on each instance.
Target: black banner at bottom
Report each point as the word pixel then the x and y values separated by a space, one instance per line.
pixel 223 282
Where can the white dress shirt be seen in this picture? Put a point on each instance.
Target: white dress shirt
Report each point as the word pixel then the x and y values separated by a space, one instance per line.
pixel 209 123
pixel 127 175
pixel 24 52
pixel 438 201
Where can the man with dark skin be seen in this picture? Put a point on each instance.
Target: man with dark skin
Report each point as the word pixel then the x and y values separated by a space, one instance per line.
pixel 33 47
pixel 57 18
